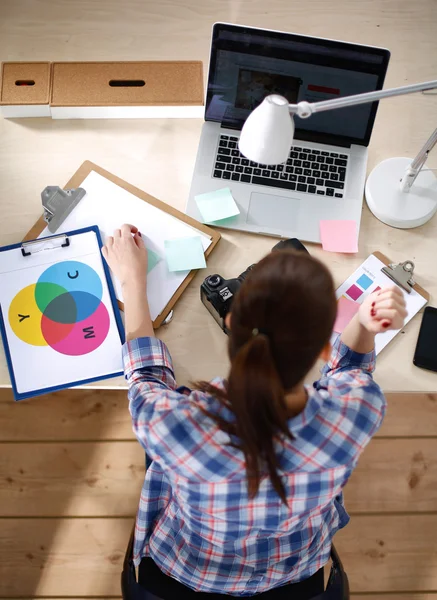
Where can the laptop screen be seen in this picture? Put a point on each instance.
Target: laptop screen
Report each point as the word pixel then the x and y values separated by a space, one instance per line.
pixel 249 64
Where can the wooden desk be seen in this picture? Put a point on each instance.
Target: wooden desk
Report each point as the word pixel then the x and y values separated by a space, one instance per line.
pixel 158 155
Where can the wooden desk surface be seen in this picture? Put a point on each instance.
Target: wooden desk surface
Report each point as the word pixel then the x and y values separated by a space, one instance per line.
pixel 158 155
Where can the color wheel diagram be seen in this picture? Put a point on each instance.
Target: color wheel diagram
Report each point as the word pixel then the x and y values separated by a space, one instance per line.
pixel 63 310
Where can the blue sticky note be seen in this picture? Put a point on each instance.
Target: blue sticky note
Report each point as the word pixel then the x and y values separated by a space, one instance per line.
pixel 364 281
pixel 152 259
pixel 217 205
pixel 184 254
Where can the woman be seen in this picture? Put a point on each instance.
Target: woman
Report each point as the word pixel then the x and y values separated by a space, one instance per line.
pixel 244 492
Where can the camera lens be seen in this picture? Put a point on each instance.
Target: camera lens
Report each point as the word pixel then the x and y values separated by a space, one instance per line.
pixel 214 280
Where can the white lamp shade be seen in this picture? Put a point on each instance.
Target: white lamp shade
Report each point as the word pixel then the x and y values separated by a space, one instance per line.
pixel 267 134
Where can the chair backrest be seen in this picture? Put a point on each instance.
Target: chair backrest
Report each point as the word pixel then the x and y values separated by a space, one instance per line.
pixel 130 589
pixel 336 589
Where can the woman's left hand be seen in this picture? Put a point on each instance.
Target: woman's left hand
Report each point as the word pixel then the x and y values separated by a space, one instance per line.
pixel 126 255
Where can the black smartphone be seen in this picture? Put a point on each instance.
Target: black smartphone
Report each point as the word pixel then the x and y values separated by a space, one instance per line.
pixel 425 355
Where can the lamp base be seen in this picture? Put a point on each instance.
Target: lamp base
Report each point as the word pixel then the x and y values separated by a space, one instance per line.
pixel 396 208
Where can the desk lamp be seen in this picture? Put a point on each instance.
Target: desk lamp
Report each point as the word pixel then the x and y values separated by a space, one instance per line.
pixel 267 137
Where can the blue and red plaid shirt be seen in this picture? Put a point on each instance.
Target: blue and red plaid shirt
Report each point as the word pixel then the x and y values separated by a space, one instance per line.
pixel 195 518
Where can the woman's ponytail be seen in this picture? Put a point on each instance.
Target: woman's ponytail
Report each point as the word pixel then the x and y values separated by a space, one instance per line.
pixel 257 397
pixel 282 318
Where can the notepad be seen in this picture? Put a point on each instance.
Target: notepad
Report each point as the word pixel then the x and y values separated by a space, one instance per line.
pixel 339 236
pixel 184 254
pixel 216 206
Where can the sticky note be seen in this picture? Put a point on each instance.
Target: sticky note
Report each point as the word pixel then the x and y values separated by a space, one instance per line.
pixel 364 281
pixel 339 236
pixel 217 205
pixel 184 254
pixel 152 259
pixel 346 309
pixel 354 292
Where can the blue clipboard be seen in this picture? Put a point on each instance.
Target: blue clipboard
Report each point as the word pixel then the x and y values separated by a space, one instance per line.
pixel 24 250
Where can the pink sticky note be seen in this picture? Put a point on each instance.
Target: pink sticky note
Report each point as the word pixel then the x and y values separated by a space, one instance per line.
pixel 346 309
pixel 339 236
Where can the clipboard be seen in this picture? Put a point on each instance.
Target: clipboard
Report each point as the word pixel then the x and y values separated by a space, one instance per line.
pixel 76 181
pixel 45 349
pixel 373 274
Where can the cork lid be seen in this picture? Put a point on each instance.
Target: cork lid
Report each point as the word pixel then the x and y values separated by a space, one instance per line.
pixel 127 83
pixel 25 83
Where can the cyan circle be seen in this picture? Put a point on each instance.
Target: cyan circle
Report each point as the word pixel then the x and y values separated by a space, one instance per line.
pixel 73 276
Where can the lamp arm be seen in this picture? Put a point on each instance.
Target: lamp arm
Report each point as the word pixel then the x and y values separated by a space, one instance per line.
pixel 417 163
pixel 306 109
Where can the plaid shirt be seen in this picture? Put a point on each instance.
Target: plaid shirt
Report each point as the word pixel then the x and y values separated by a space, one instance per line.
pixel 195 518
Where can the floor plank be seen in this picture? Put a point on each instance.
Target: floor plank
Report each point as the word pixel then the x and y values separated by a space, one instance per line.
pixel 410 415
pixel 66 415
pixel 395 475
pixel 397 596
pixel 104 478
pixel 390 553
pixel 104 415
pixel 71 479
pixel 60 557
pixel 54 557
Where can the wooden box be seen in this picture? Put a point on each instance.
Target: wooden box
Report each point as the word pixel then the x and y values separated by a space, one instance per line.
pixel 25 89
pixel 97 90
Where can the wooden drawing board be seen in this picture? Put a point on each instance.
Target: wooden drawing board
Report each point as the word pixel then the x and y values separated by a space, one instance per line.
pixel 76 180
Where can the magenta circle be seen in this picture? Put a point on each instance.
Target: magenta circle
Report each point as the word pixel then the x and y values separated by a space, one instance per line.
pixel 87 335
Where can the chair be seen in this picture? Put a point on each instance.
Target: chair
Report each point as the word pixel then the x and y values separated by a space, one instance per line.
pixel 336 589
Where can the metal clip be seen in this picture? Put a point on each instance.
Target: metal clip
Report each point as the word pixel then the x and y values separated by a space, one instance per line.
pixel 47 243
pixel 168 318
pixel 58 204
pixel 402 274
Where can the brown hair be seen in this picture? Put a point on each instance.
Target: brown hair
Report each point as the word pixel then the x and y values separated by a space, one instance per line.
pixel 282 318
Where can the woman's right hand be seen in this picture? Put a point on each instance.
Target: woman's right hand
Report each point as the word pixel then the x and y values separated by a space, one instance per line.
pixel 383 310
pixel 126 255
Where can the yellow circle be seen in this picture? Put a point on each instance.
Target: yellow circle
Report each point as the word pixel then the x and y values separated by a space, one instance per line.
pixel 25 317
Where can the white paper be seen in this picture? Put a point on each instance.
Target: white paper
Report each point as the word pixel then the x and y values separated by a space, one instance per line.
pixel 40 367
pixel 372 268
pixel 109 206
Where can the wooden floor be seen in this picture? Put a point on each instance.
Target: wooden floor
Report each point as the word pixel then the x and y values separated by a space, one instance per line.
pixel 70 477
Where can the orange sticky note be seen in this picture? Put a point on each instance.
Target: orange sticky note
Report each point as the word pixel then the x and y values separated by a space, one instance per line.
pixel 346 310
pixel 339 236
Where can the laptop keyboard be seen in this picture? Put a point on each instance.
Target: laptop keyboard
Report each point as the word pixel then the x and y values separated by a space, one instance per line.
pixel 306 170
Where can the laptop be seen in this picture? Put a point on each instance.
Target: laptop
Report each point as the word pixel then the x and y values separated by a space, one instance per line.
pixel 325 173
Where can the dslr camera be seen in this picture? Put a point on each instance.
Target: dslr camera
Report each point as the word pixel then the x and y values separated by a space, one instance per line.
pixel 218 293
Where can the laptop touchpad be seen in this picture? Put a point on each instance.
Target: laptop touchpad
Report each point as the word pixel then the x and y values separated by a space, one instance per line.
pixel 273 212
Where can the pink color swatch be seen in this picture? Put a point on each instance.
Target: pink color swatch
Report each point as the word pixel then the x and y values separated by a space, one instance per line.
pixel 376 289
pixel 346 309
pixel 354 292
pixel 339 236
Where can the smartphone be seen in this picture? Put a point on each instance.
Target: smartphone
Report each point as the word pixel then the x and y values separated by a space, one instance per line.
pixel 425 355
